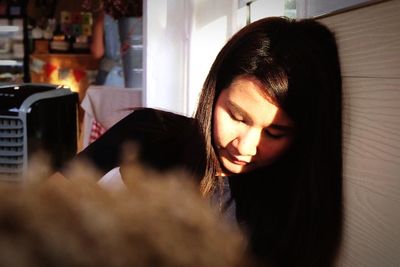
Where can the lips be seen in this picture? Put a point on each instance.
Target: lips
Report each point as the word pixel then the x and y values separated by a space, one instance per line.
pixel 239 162
pixel 236 160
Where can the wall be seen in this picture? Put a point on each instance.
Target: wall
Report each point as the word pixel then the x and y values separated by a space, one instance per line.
pixel 213 22
pixel 369 44
pixel 312 8
pixel 164 53
pixel 182 40
pixel 266 8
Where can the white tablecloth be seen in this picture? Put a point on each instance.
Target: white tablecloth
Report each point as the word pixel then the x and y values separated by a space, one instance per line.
pixel 107 105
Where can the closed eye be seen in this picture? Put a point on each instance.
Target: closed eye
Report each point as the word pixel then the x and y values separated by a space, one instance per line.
pixel 236 117
pixel 273 135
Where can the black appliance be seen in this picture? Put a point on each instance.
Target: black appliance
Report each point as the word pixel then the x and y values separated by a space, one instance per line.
pixel 36 117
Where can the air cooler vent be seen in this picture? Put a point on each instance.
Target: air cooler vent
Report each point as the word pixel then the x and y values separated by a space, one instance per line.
pixel 35 118
pixel 11 148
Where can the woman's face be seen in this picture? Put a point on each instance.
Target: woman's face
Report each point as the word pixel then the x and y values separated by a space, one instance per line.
pixel 249 130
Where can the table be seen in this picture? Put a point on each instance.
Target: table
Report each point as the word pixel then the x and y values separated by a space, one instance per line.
pixel 104 106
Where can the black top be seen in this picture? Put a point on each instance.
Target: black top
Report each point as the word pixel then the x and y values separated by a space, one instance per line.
pixel 260 205
pixel 165 141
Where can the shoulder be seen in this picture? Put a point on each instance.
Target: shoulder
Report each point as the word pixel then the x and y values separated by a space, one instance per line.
pixel 162 138
pixel 150 119
pixel 160 124
pixel 155 130
pixel 158 114
pixel 169 139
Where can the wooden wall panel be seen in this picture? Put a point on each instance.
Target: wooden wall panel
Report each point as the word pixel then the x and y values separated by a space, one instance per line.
pixel 370 238
pixel 369 40
pixel 372 119
pixel 369 47
pixel 371 172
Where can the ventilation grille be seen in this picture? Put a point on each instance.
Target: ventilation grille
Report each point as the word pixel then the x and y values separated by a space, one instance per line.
pixel 11 148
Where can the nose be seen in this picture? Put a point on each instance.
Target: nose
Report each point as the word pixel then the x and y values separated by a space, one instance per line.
pixel 248 141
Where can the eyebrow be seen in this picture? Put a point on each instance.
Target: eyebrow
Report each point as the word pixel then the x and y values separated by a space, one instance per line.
pixel 246 115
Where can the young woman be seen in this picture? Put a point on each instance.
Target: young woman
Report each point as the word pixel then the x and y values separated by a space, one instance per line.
pixel 265 142
pixel 270 111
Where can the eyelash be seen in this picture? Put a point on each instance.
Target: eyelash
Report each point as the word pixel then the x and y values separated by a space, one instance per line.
pixel 236 118
pixel 268 133
pixel 273 136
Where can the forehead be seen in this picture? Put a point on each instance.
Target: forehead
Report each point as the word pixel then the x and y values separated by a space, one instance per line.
pixel 249 95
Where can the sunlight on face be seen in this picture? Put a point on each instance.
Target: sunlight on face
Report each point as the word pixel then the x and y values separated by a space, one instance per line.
pixel 249 130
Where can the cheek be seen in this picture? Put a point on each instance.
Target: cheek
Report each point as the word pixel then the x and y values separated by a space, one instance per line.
pixel 222 128
pixel 272 150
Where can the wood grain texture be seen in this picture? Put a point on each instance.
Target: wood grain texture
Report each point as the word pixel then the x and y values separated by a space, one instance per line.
pixel 369 47
pixel 372 119
pixel 371 127
pixel 371 236
pixel 369 40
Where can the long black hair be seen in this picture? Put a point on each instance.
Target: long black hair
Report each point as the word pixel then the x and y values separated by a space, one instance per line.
pixel 292 209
